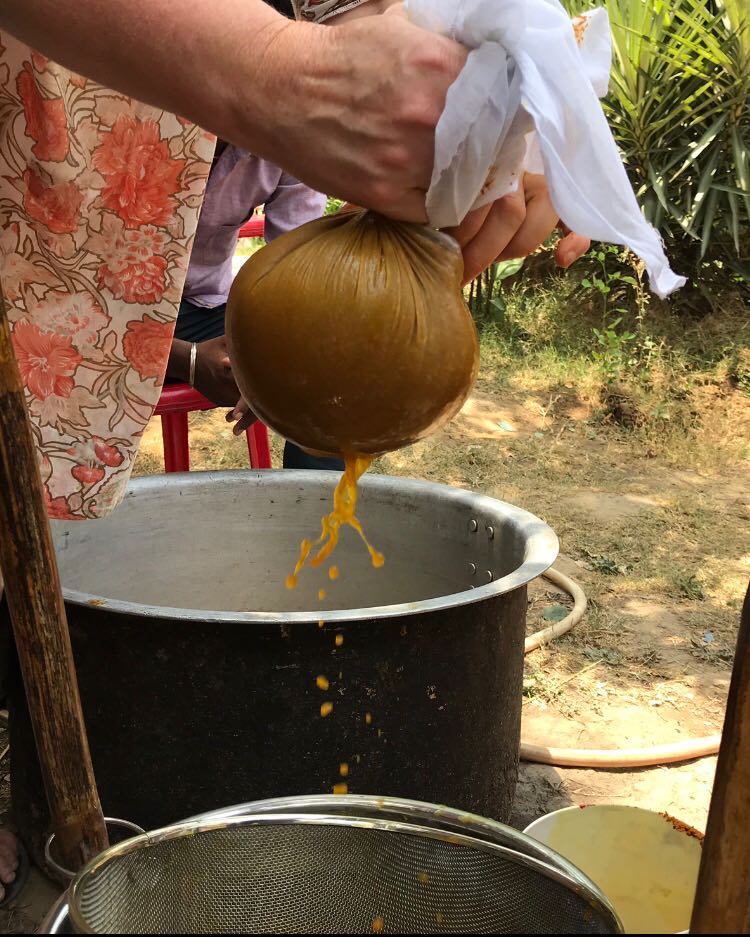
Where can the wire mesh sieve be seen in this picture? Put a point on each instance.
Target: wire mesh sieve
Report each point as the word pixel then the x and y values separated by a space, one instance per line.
pixel 326 874
pixel 399 809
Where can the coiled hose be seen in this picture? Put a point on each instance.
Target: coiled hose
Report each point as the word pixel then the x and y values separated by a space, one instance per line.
pixel 598 757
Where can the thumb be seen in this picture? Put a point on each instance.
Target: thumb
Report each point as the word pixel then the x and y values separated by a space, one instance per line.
pixel 570 248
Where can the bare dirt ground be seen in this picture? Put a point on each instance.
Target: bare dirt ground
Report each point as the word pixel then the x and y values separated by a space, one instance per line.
pixel 657 535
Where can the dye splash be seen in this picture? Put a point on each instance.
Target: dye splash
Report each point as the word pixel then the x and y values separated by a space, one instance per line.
pixel 344 508
pixel 344 512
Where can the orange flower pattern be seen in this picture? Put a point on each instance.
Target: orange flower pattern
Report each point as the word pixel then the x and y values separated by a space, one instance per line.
pixel 99 200
pixel 56 207
pixel 47 361
pixel 144 346
pixel 45 118
pixel 141 180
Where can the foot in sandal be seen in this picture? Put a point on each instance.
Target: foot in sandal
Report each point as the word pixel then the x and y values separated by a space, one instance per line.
pixel 9 858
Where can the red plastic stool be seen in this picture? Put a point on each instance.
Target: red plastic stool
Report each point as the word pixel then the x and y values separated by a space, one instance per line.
pixel 254 228
pixel 176 401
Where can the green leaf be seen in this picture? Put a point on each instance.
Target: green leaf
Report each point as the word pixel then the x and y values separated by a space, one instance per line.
pixel 708 220
pixel 555 613
pixel 508 268
pixel 731 189
pixel 497 308
pixel 679 108
pixel 735 220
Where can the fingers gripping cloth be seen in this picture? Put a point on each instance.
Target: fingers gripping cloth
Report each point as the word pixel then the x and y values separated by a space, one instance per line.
pixel 527 100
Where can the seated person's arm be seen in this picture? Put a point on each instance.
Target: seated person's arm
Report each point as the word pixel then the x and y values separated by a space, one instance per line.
pixel 291 205
pixel 178 366
pixel 213 372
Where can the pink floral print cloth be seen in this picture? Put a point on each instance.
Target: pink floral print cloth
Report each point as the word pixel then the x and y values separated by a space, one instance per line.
pixel 99 201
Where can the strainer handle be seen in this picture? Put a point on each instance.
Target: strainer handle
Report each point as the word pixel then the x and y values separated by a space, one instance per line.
pixel 60 870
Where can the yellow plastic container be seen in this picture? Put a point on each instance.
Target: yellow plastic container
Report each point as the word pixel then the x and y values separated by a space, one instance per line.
pixel 646 863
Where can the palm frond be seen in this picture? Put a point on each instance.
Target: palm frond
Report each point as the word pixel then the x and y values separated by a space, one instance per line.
pixel 679 108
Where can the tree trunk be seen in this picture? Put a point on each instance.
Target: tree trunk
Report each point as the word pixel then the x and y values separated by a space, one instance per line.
pixel 722 900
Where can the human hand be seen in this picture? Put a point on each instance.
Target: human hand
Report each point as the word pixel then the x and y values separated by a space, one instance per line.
pixel 361 103
pixel 213 372
pixel 242 416
pixel 350 109
pixel 515 226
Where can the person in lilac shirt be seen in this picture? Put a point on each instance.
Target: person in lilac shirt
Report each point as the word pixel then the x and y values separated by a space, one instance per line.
pixel 239 182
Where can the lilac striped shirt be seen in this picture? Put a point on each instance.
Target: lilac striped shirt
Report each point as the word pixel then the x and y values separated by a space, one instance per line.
pixel 239 182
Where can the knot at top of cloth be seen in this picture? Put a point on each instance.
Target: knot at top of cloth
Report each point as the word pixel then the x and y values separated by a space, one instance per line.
pixel 527 100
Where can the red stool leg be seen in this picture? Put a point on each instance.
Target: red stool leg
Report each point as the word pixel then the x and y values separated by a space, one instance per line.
pixel 174 432
pixel 258 446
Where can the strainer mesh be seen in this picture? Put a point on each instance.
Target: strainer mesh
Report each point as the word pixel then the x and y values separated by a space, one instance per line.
pixel 298 878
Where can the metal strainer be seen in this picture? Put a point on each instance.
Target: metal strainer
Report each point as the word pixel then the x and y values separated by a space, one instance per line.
pixel 401 810
pixel 329 874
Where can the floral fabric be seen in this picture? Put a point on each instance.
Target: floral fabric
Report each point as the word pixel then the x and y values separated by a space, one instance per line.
pixel 99 201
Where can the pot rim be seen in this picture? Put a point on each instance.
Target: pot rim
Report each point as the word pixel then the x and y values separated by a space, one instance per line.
pixel 606 807
pixel 541 549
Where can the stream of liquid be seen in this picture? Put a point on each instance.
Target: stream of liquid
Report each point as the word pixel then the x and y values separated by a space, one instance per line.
pixel 315 553
pixel 344 507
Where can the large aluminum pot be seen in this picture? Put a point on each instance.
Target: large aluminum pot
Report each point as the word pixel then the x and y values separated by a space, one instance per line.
pixel 198 668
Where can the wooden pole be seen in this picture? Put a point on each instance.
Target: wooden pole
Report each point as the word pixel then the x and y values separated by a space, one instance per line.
pixel 722 899
pixel 37 612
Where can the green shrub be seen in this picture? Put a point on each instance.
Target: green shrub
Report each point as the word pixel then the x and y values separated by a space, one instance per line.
pixel 679 108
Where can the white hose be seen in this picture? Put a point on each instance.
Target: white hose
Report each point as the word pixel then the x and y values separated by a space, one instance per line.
pixel 560 627
pixel 621 758
pixel 603 758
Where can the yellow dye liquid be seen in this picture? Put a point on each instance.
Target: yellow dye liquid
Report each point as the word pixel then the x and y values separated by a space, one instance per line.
pixel 344 507
pixel 344 512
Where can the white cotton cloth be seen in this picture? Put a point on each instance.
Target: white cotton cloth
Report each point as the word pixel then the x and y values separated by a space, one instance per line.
pixel 527 100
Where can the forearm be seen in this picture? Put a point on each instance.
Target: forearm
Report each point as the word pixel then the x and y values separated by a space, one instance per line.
pixel 178 365
pixel 196 58
pixel 349 110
